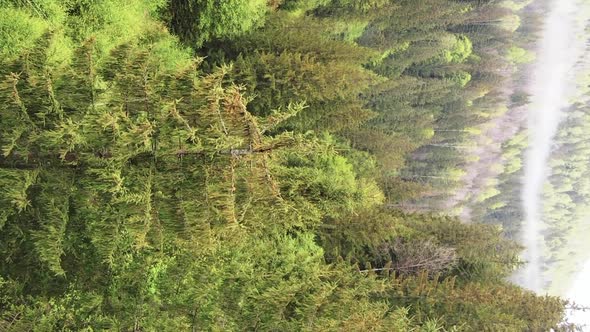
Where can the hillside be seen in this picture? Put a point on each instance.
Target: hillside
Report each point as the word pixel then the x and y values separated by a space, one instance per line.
pixel 245 165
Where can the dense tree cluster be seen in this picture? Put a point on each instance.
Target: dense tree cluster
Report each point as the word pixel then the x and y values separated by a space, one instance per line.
pixel 251 187
pixel 567 189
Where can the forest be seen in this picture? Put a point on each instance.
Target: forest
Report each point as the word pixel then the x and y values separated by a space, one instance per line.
pixel 567 189
pixel 259 165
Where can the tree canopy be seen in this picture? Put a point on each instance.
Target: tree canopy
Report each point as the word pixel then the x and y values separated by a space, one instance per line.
pixel 248 165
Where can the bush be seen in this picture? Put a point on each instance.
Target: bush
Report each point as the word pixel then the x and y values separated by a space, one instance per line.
pixel 199 21
pixel 18 31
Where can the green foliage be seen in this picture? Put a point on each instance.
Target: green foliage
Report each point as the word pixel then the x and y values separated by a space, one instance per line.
pixel 322 179
pixel 277 81
pixel 462 49
pixel 14 185
pixel 200 21
pixel 18 31
pixel 142 189
pixel 565 193
pixel 301 6
pixel 520 55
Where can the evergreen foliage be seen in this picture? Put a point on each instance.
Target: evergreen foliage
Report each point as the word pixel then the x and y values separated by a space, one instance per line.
pixel 258 188
pixel 199 21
